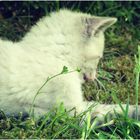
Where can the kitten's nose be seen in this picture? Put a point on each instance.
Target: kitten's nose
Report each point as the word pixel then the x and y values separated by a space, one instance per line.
pixel 89 76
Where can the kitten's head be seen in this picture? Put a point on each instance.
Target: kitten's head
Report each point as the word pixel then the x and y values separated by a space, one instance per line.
pixel 93 34
pixel 84 36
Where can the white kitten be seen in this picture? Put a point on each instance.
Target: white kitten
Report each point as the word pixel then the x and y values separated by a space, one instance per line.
pixel 64 38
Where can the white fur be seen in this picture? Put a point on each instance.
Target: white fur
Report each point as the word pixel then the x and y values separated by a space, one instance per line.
pixel 55 41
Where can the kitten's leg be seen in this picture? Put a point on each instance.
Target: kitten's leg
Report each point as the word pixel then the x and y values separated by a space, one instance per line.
pixel 75 99
pixel 73 96
pixel 110 111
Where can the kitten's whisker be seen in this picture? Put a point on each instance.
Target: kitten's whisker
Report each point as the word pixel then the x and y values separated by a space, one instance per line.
pixel 96 84
pixel 100 83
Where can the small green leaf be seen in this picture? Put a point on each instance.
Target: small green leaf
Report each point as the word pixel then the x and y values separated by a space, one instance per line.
pixel 78 70
pixel 65 70
pixel 137 123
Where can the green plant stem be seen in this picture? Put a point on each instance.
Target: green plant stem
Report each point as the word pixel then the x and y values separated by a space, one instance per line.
pixel 38 92
pixel 137 91
pixel 137 73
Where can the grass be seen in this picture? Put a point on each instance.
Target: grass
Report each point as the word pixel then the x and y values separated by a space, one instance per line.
pixel 58 124
pixel 118 74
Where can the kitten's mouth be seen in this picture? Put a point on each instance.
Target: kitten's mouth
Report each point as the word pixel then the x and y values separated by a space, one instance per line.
pixel 89 77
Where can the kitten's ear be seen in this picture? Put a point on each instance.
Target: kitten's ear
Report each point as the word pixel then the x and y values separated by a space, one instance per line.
pixel 95 24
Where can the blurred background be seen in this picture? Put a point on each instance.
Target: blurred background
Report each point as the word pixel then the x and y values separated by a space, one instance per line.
pixel 16 17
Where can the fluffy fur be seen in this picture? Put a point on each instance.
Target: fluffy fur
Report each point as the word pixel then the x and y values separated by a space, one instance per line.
pixel 64 38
